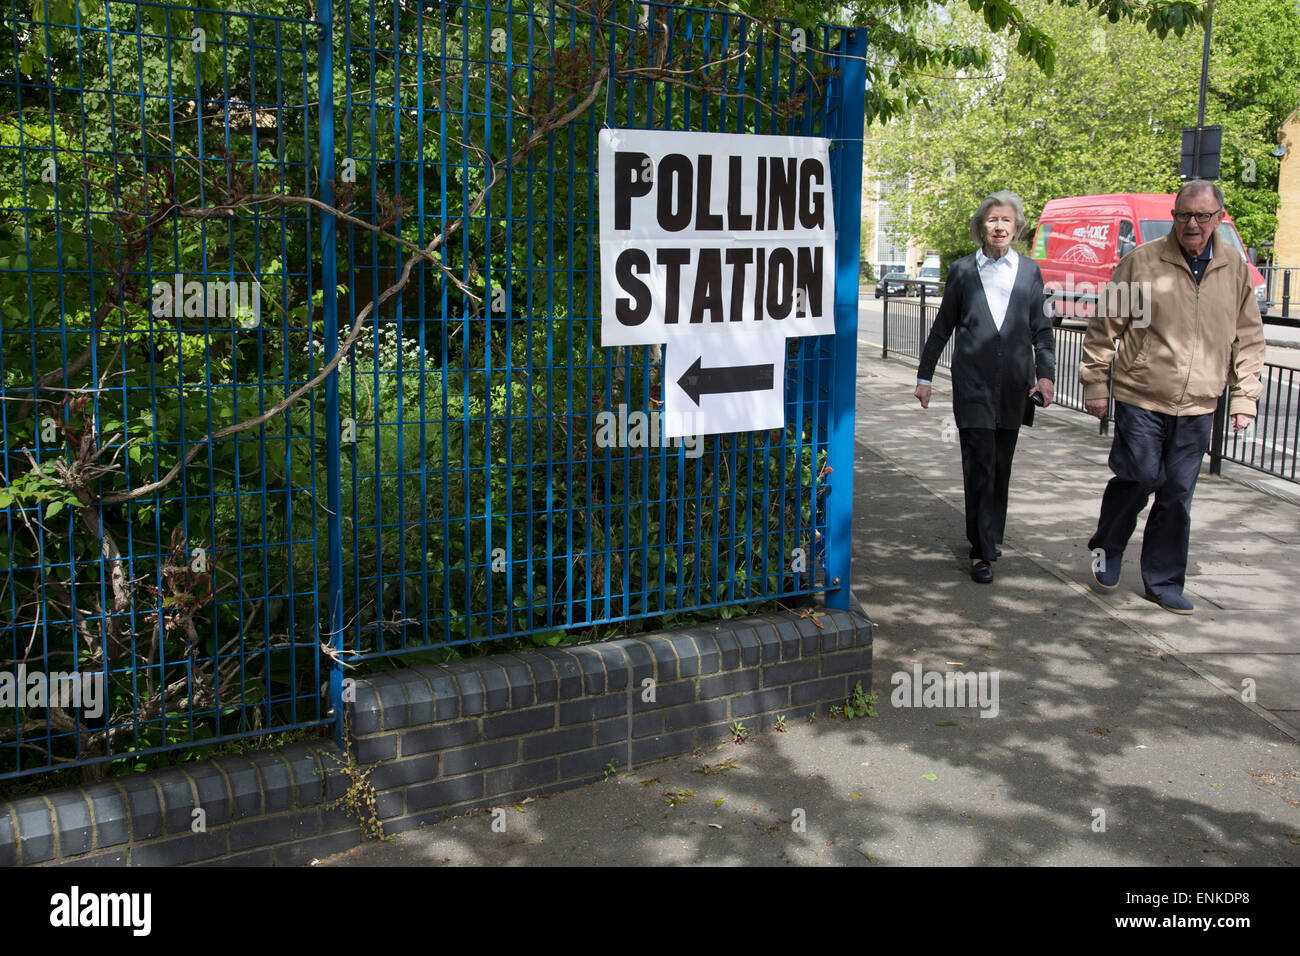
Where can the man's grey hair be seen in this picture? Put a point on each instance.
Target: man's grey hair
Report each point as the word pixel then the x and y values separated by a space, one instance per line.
pixel 1003 197
pixel 1198 185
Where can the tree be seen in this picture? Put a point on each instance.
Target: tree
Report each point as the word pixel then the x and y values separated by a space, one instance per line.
pixel 1109 119
pixel 1254 84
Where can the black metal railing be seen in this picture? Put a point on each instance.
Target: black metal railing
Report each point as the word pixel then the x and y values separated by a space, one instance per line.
pixel 907 324
pixel 1270 445
pixel 1281 283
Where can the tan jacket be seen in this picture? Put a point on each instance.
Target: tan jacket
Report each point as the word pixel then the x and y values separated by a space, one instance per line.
pixel 1179 343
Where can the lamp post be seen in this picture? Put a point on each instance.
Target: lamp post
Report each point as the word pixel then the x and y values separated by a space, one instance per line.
pixel 1205 79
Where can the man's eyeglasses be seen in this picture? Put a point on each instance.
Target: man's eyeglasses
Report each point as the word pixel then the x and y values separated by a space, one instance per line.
pixel 1200 216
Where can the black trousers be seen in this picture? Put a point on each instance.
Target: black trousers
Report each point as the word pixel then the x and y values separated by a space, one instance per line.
pixel 986 475
pixel 1153 452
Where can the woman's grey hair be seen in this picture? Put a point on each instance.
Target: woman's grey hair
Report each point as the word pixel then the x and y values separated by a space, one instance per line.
pixel 1004 197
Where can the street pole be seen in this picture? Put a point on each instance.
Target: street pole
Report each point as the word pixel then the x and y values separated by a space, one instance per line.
pixel 1205 77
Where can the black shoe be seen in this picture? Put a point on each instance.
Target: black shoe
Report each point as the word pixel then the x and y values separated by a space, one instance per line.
pixel 997 553
pixel 981 572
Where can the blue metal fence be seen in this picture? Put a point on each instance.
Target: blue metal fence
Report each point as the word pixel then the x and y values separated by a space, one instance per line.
pixel 201 521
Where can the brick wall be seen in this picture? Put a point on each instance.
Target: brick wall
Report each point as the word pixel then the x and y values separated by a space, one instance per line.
pixel 483 732
pixel 443 740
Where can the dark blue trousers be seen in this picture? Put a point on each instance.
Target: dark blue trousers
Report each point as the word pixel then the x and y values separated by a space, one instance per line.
pixel 1160 454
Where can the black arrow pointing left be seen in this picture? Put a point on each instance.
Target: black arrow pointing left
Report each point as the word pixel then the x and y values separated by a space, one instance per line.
pixel 697 380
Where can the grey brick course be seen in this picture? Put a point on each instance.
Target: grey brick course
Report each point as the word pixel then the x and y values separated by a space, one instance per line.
pixel 650 722
pixel 519 679
pixel 641 660
pixel 419 696
pixel 305 767
pixel 392 700
pixel 177 850
pixel 546 685
pixel 178 800
pixel 773 698
pixel 446 739
pixel 446 696
pixel 522 776
pixel 691 715
pixel 728 648
pixel 710 654
pixel 72 821
pixel 399 773
pixel 213 796
pixel 592 708
pixel 375 749
pixel 496 688
pixel 479 757
pixel 592 666
pixel 243 784
pixel 688 655
pixel 668 694
pixel 390 804
pixel 444 792
pixel 588 763
pixel 665 657
pixel 276 784
pixel 768 642
pixel 750 650
pixel 617 666
pixel 143 805
pixel 365 710
pixel 857 660
pixel 828 688
pixel 612 730
pixel 438 737
pixel 569 674
pixel 733 682
pixel 472 696
pixel 517 722
pixel 663 745
pixel 557 742
pixel 788 672
pixel 267 831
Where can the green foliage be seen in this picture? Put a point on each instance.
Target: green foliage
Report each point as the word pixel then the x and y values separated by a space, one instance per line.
pixel 860 704
pixel 1109 118
pixel 469 430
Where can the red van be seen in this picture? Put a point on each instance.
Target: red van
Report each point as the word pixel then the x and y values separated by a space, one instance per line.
pixel 1081 239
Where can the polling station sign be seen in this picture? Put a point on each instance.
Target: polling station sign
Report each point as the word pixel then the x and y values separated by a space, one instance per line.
pixel 720 246
pixel 714 234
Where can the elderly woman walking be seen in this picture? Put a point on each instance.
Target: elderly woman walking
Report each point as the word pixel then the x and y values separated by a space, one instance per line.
pixel 1003 356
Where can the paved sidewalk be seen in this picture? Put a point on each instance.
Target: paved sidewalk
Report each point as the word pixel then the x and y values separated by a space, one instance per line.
pixel 1108 707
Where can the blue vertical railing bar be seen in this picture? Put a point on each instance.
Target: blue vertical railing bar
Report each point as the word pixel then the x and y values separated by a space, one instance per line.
pixel 329 310
pixel 848 214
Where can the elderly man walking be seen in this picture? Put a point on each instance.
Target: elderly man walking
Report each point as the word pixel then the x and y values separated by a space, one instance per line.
pixel 1184 313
